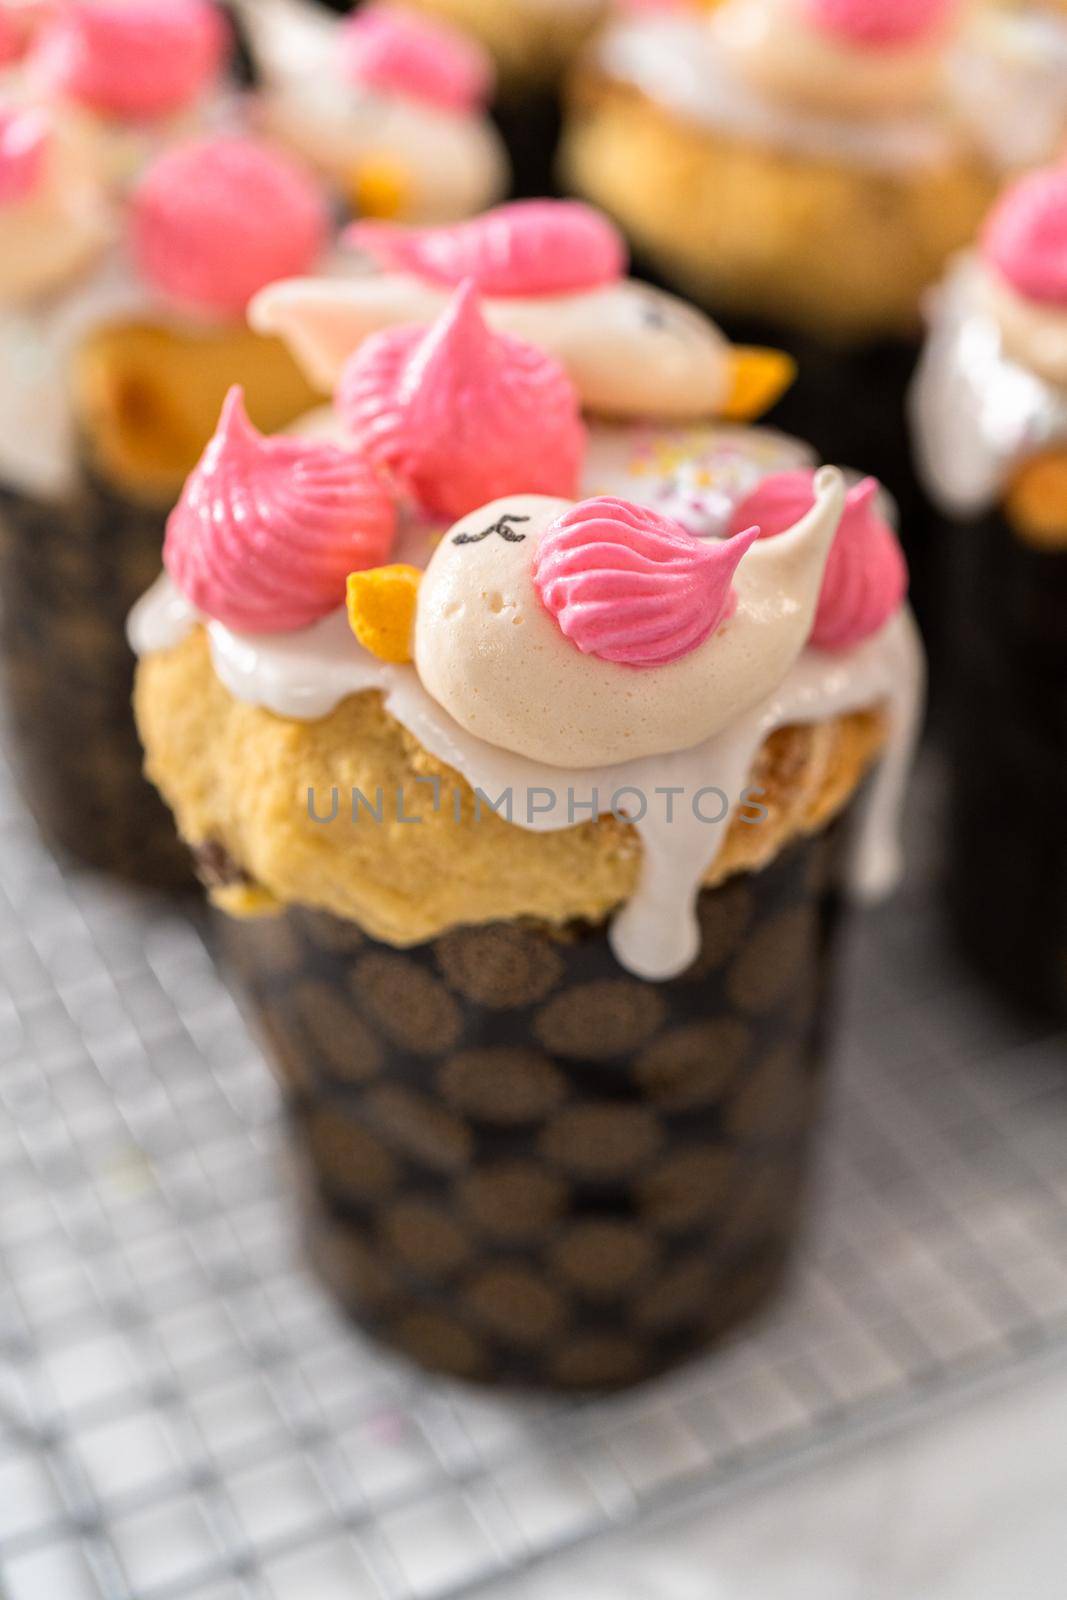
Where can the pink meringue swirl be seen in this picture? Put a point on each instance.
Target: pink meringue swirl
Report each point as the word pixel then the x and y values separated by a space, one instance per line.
pixel 1025 236
pixel 268 529
pixel 530 247
pixel 217 220
pixel 866 578
pixel 391 48
pixel 460 415
pixel 140 59
pixel 881 24
pixel 24 140
pixel 629 585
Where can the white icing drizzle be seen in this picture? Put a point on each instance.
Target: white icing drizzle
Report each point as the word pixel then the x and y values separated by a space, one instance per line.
pixel 306 675
pixel 976 413
pixel 675 60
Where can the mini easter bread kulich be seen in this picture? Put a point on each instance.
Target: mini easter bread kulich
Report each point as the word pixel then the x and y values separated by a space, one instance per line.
pixel 699 660
pixel 389 105
pixel 536 734
pixel 121 329
pixel 809 161
pixel 989 418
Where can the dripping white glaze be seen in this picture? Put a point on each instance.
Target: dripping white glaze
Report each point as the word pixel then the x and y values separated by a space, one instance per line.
pixel 305 675
pixel 976 412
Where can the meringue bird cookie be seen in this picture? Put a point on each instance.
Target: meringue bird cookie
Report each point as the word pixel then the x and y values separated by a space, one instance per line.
pixel 389 105
pixel 506 626
pixel 806 161
pixel 551 273
pixel 989 418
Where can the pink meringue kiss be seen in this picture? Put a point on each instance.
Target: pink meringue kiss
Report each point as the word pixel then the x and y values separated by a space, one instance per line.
pixel 24 140
pixel 530 247
pixel 400 52
pixel 629 585
pixel 1025 236
pixel 460 415
pixel 268 529
pixel 881 24
pixel 215 221
pixel 866 578
pixel 140 59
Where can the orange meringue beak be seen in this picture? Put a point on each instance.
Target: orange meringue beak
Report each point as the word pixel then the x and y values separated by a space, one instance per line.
pixel 381 610
pixel 381 188
pixel 758 378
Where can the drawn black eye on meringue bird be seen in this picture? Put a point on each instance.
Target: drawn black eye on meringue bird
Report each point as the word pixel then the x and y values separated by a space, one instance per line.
pixel 549 272
pixel 607 633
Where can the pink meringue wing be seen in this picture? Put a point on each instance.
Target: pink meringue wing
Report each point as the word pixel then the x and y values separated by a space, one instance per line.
pixel 866 577
pixel 460 415
pixel 531 247
pixel 268 529
pixel 628 585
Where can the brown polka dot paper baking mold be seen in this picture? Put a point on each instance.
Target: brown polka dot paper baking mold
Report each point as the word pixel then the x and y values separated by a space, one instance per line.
pixel 524 1165
pixel 70 570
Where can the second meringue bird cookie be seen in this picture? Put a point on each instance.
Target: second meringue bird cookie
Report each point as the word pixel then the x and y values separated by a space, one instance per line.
pixel 388 105
pixel 550 272
pixel 121 330
pixel 549 811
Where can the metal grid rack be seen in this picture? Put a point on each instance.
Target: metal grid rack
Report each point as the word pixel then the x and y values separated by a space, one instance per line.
pixel 183 1415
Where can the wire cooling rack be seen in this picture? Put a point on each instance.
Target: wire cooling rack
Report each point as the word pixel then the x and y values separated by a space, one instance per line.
pixel 183 1415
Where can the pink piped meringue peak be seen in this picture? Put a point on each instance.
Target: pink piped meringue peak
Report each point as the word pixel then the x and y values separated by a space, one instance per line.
pixel 1025 237
pixel 135 59
pixel 24 141
pixel 628 585
pixel 530 247
pixel 216 220
pixel 398 51
pixel 268 528
pixel 881 24
pixel 866 577
pixel 460 415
